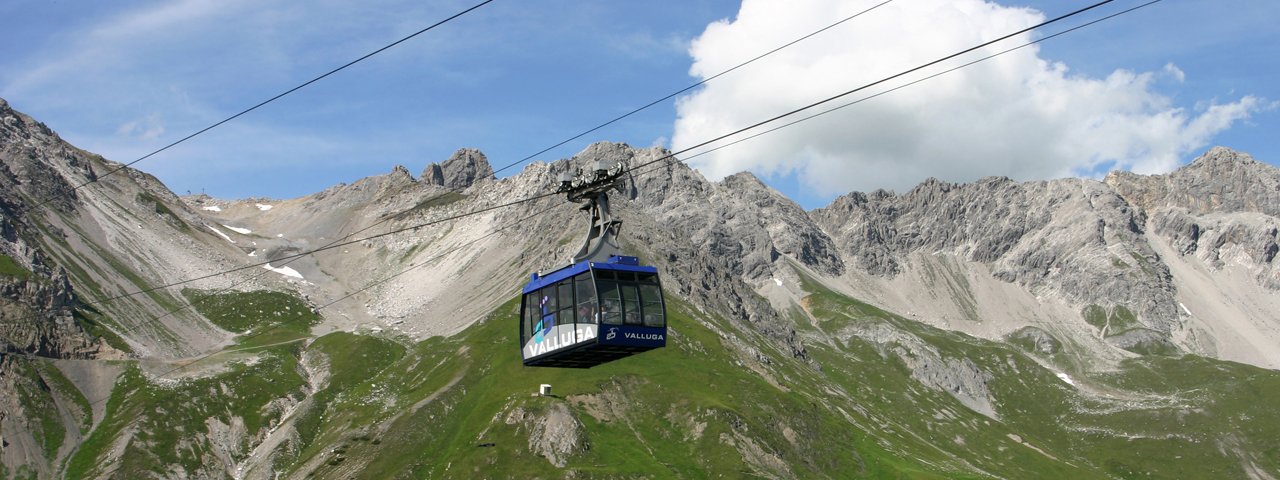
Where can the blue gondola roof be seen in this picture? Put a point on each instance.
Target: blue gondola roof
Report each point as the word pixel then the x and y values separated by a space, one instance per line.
pixel 616 262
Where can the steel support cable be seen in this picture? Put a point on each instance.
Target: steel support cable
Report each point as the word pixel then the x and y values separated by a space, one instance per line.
pixel 693 86
pixel 877 82
pixel 96 178
pixel 575 137
pixel 908 84
pixel 952 69
pixel 672 155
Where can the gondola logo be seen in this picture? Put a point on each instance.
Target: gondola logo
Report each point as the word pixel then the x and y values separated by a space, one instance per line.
pixel 634 336
pixel 548 321
pixel 642 336
pixel 557 337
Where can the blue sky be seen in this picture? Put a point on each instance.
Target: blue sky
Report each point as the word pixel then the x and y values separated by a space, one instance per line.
pixel 1144 91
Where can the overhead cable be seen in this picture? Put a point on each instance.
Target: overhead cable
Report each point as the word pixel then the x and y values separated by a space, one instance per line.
pixel 878 82
pixel 905 85
pixel 691 87
pixel 96 178
pixel 669 156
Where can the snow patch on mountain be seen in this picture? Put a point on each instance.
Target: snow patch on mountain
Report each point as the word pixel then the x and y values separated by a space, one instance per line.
pixel 1066 378
pixel 220 234
pixel 286 271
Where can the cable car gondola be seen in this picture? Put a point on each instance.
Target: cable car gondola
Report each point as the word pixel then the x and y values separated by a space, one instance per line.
pixel 603 306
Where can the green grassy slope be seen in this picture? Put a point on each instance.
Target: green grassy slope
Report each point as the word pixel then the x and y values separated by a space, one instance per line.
pixel 719 401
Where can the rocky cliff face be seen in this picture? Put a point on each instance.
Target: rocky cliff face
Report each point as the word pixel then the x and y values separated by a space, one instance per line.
pixel 78 234
pixel 1006 256
pixel 36 297
pixel 466 167
pixel 1220 181
pixel 1074 240
pixel 1063 235
pixel 1222 209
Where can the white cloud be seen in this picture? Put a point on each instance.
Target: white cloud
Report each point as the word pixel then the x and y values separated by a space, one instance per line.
pixel 1017 115
pixel 148 128
pixel 123 41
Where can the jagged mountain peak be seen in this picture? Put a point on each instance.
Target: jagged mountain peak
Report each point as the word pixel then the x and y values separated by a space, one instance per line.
pixel 933 184
pixel 749 188
pixel 368 189
pixel 1220 157
pixel 466 167
pixel 1221 180
pixel 613 152
pixel 401 171
pixel 744 179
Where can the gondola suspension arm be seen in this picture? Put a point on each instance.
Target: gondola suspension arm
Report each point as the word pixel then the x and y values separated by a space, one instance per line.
pixel 592 190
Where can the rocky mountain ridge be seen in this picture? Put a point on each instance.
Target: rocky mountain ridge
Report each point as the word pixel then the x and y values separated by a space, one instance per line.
pixel 1027 235
pixel 1090 276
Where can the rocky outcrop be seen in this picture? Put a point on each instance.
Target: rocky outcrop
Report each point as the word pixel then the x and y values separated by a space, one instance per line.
pixel 1035 339
pixel 1220 181
pixel 1223 208
pixel 1074 237
pixel 36 318
pixel 25 147
pixel 555 433
pixel 36 297
pixel 739 217
pixel 1247 240
pixel 465 168
pixel 956 376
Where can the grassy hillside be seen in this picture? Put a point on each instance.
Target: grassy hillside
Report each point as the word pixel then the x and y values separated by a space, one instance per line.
pixel 873 399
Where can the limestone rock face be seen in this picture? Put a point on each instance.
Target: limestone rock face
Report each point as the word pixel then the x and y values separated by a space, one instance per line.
pixel 465 168
pixel 1071 242
pixel 36 318
pixel 1223 208
pixel 1076 238
pixel 1220 181
pixel 554 433
pixel 738 217
pixel 36 298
